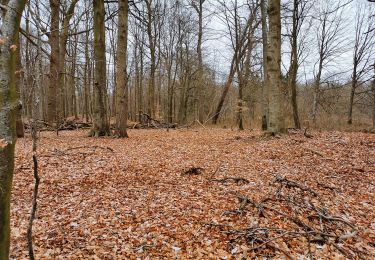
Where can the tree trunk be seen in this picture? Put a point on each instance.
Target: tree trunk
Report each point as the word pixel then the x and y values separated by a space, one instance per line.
pixel 152 47
pixel 100 124
pixel 87 75
pixel 122 77
pixel 373 106
pixel 273 59
pixel 319 74
pixel 63 90
pixel 19 122
pixel 294 67
pixel 265 72
pixel 54 81
pixel 226 88
pixel 200 81
pixel 351 99
pixel 8 104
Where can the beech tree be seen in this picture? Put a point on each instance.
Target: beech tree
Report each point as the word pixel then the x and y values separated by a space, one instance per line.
pixel 54 77
pixel 11 12
pixel 276 121
pixel 101 123
pixel 122 74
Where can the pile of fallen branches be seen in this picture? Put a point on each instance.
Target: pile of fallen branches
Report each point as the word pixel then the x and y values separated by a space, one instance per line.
pixel 147 122
pixel 291 220
pixel 65 125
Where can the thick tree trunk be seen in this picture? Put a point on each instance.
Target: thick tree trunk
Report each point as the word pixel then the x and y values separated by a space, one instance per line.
pixel 54 79
pixel 122 77
pixel 100 124
pixel 373 106
pixel 276 116
pixel 8 110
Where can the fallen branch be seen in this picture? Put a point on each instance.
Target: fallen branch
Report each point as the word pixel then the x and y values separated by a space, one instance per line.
pixel 192 171
pixel 237 180
pixel 293 184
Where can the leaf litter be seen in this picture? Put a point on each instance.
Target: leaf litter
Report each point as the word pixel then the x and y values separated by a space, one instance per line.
pixel 198 194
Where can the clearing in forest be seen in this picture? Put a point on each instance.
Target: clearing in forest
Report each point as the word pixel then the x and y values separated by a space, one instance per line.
pixel 198 194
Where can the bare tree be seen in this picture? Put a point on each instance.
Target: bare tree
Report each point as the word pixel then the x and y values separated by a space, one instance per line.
pixel 300 10
pixel 363 52
pixel 238 34
pixel 330 41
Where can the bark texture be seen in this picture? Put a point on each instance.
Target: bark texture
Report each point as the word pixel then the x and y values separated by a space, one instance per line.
pixel 276 116
pixel 122 77
pixel 9 105
pixel 265 71
pixel 101 124
pixel 54 79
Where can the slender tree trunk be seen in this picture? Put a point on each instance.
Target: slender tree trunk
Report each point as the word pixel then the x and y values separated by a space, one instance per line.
pixel 294 67
pixel 200 81
pixel 319 74
pixel 65 101
pixel 152 47
pixel 316 92
pixel 87 75
pixel 8 110
pixel 228 83
pixel 54 81
pixel 19 122
pixel 101 124
pixel 352 92
pixel 73 79
pixel 273 59
pixel 122 77
pixel 265 103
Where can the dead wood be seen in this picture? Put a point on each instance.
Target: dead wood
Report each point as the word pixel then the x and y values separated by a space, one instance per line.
pixel 303 219
pixel 192 171
pixel 307 134
pixel 237 180
pixel 293 184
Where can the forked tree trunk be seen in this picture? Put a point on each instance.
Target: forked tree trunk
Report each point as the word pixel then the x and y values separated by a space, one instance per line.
pixel 100 124
pixel 122 77
pixel 276 115
pixel 8 110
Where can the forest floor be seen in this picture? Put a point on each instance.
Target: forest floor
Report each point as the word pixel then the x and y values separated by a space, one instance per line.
pixel 198 194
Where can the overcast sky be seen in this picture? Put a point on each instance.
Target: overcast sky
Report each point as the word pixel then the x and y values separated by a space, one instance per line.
pixel 218 51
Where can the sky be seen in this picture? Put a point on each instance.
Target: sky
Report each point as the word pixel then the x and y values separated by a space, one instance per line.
pixel 218 51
